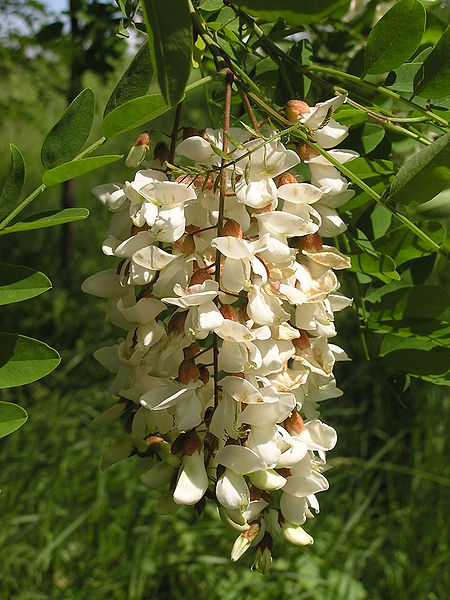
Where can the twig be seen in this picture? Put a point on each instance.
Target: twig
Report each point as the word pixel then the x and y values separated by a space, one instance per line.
pixel 249 109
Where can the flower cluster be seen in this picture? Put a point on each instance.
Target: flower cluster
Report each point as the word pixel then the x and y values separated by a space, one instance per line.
pixel 226 318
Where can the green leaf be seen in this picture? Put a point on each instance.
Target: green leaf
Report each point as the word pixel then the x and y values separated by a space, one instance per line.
pixel 382 267
pixel 295 12
pixel 133 113
pixel 402 79
pixel 75 168
pixel 48 219
pixel 170 40
pixel 134 82
pixel 433 78
pixel 365 168
pixel 424 175
pixel 364 138
pixel 437 207
pixel 14 183
pixel 403 245
pixel 67 137
pixel 395 37
pixel 24 360
pixel 12 417
pixel 19 283
pixel 418 362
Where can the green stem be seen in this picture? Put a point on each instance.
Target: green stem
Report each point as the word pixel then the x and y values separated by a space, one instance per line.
pixel 22 205
pixel 91 148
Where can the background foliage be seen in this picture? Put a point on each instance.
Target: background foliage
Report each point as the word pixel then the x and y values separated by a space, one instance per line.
pixel 68 530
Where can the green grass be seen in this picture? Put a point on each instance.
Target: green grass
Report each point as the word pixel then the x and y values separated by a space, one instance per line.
pixel 70 531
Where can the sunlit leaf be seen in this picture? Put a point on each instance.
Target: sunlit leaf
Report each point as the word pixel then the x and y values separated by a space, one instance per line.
pixel 295 12
pixel 382 267
pixel 395 37
pixel 424 175
pixel 75 168
pixel 19 283
pixel 65 140
pixel 433 78
pixel 402 79
pixel 364 138
pixel 12 189
pixel 12 417
pixel 403 245
pixel 133 113
pixel 24 360
pixel 48 219
pixel 170 40
pixel 134 82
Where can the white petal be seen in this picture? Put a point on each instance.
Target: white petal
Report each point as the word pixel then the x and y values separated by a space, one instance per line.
pixel 239 459
pixel 105 284
pixel 192 480
pixel 232 490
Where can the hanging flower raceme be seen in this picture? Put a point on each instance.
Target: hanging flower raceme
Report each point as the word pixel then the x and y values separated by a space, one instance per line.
pixel 226 296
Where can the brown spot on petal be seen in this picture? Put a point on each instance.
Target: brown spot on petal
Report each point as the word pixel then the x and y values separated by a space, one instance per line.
pixel 302 343
pixel 232 228
pixel 191 443
pixel 305 151
pixel 264 209
pixel 184 245
pixel 135 229
pixel 312 241
pixel 284 472
pixel 229 312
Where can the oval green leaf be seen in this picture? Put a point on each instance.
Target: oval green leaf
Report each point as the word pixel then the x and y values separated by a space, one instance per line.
pixel 402 244
pixel 24 360
pixel 433 78
pixel 19 283
pixel 170 40
pixel 295 12
pixel 14 183
pixel 133 113
pixel 381 267
pixel 134 82
pixel 424 175
pixel 67 137
pixel 75 168
pixel 395 37
pixel 364 138
pixel 12 416
pixel 48 219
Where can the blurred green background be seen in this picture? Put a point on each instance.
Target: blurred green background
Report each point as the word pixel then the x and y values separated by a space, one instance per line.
pixel 68 530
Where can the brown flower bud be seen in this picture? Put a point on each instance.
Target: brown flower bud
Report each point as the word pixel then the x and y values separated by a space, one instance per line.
pixel 190 132
pixel 294 424
pixel 184 245
pixel 204 374
pixel 252 531
pixel 191 443
pixel 295 109
pixel 286 178
pixel 229 312
pixel 161 152
pixel 199 276
pixel 176 322
pixel 188 371
pixel 284 472
pixel 137 151
pixel 312 241
pixel 143 139
pixel 301 343
pixel 232 228
pixel 154 443
pixel 135 229
pixel 305 151
pixel 264 209
pixel 191 350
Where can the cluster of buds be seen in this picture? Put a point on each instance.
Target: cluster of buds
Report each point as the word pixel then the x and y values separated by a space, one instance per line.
pixel 226 317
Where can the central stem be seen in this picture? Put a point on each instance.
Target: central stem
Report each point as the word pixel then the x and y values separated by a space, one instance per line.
pixel 222 191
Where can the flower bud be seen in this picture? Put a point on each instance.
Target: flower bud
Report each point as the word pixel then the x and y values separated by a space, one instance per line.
pixel 232 228
pixel 176 322
pixel 161 152
pixel 199 276
pixel 137 152
pixel 263 556
pixel 191 443
pixel 244 541
pixel 294 424
pixel 301 343
pixel 191 350
pixel 188 371
pixel 190 132
pixel 296 535
pixel 184 245
pixel 305 151
pixel 286 178
pixel 204 374
pixel 295 109
pixel 229 312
